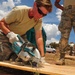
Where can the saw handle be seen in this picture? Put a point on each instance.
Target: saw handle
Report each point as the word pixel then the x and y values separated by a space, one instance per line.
pixel 20 38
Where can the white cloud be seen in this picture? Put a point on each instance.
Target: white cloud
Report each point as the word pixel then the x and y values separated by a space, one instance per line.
pixel 2 13
pixel 52 29
pixel 9 3
pixel 5 6
pixel 58 13
pixel 17 1
pixel 51 32
pixel 52 40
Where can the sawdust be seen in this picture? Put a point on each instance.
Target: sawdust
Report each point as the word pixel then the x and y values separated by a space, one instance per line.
pixel 50 58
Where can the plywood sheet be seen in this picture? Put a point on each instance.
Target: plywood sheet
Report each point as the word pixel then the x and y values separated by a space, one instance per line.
pixel 46 69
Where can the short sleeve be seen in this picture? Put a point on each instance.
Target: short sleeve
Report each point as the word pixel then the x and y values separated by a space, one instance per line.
pixel 38 26
pixel 11 16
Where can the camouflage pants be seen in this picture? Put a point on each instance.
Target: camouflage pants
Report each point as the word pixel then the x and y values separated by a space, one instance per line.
pixel 5 51
pixel 65 26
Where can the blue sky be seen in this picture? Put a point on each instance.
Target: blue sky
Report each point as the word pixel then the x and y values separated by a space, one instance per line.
pixel 50 22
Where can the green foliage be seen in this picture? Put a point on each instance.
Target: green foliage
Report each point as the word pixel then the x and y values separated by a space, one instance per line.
pixel 54 45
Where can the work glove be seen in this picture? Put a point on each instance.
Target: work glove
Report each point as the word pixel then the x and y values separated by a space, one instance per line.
pixel 12 37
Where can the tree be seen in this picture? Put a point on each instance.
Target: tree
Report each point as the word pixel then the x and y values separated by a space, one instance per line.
pixel 54 45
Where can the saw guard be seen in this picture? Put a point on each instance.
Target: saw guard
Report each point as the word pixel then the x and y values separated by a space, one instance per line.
pixel 37 53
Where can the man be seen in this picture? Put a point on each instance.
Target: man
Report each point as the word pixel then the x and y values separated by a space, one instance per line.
pixel 65 26
pixel 23 18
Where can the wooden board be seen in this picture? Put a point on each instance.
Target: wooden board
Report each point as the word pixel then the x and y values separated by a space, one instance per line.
pixel 70 57
pixel 47 69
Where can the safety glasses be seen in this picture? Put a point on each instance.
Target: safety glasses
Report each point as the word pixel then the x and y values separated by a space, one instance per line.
pixel 40 12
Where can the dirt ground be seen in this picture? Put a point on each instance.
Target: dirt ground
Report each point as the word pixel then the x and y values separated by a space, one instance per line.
pixel 50 58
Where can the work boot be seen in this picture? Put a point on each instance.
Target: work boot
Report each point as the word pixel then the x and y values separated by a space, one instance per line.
pixel 43 62
pixel 61 60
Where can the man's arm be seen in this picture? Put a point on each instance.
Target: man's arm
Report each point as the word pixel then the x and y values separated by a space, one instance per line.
pixel 58 5
pixel 39 40
pixel 4 26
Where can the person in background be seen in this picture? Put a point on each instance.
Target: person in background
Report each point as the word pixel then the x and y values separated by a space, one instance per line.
pixel 22 18
pixel 65 26
pixel 71 48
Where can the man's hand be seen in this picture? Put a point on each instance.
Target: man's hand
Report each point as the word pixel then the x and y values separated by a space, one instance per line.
pixel 12 37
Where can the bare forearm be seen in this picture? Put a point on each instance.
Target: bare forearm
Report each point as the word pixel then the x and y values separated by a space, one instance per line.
pixel 39 41
pixel 4 28
pixel 40 46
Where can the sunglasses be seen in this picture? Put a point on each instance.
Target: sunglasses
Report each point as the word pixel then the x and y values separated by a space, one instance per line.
pixel 40 12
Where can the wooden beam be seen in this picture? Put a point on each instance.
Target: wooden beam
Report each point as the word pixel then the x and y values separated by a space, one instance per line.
pixel 70 57
pixel 46 69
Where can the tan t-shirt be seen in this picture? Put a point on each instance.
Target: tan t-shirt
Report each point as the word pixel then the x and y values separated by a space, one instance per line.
pixel 69 2
pixel 19 22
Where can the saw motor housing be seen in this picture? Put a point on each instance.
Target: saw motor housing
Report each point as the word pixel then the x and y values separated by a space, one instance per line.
pixel 25 52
